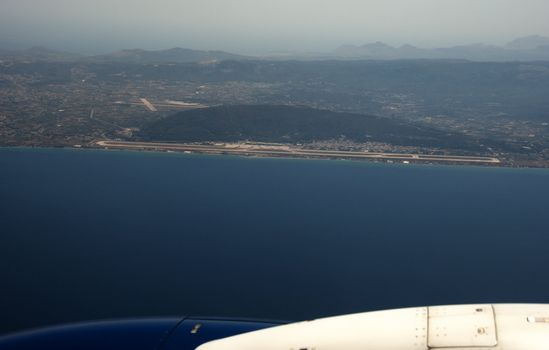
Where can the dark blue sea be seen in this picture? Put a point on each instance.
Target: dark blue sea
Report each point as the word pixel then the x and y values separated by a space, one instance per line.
pixel 110 234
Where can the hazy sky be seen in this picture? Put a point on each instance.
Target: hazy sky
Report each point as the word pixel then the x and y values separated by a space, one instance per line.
pixel 260 26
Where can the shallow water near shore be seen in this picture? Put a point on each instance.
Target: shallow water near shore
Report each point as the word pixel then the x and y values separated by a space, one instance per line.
pixel 114 234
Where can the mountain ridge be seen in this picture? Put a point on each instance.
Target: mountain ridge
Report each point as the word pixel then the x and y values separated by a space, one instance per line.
pixel 528 48
pixel 173 55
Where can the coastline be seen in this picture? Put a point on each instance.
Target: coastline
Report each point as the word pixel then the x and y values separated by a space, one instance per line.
pixel 136 152
pixel 289 151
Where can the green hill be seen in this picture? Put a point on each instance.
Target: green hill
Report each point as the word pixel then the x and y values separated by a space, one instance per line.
pixel 267 123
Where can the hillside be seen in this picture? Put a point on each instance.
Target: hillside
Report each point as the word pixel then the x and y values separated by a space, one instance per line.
pixel 268 123
pixel 175 55
pixel 38 54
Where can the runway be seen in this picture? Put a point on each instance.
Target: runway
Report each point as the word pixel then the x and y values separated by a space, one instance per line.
pixel 290 151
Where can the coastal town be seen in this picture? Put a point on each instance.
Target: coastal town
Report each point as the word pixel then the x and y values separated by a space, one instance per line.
pixel 76 104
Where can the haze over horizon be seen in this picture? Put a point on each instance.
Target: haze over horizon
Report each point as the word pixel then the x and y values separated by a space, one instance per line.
pixel 261 26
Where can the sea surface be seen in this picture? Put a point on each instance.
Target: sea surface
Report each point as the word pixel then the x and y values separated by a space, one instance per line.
pixel 88 235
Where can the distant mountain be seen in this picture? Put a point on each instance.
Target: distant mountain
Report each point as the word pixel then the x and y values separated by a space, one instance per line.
pixel 175 55
pixel 275 123
pixel 532 48
pixel 531 42
pixel 37 54
pixel 379 50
